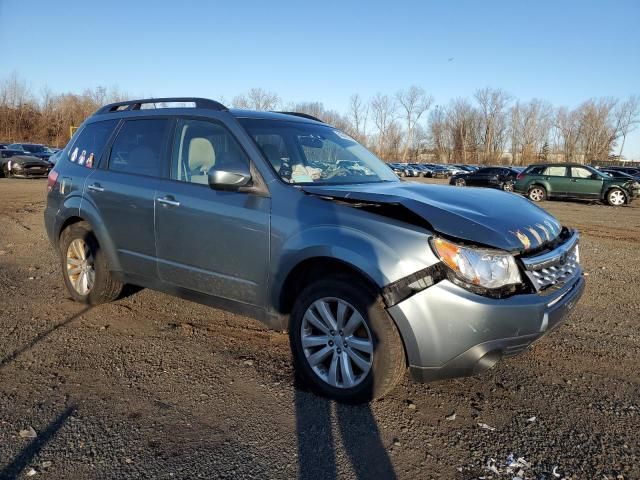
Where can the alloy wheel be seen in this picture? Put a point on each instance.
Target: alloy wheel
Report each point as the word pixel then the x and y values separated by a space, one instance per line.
pixel 80 266
pixel 460 182
pixel 536 194
pixel 337 342
pixel 616 198
pixel 508 187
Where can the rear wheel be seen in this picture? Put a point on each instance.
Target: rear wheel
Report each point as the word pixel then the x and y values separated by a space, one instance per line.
pixel 459 182
pixel 616 197
pixel 537 193
pixel 345 346
pixel 507 186
pixel 84 267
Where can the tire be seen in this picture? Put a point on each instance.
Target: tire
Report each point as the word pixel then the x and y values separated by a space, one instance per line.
pixel 459 182
pixel 100 287
pixel 507 186
pixel 537 193
pixel 5 171
pixel 616 197
pixel 386 361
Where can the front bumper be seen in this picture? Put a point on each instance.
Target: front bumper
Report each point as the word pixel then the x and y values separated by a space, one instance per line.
pixel 451 332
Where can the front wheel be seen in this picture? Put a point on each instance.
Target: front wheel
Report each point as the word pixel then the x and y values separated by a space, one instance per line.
pixel 616 197
pixel 537 193
pixel 459 182
pixel 345 346
pixel 84 267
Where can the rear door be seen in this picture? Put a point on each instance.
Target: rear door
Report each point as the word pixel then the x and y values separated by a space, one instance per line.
pixel 557 179
pixel 584 184
pixel 479 178
pixel 123 191
pixel 210 241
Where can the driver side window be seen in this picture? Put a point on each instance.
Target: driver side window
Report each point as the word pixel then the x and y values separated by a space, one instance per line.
pixel 580 172
pixel 199 145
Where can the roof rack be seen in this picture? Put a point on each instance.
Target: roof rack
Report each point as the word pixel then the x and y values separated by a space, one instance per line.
pixel 137 104
pixel 303 115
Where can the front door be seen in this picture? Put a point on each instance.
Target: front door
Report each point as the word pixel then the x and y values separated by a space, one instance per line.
pixel 584 183
pixel 210 241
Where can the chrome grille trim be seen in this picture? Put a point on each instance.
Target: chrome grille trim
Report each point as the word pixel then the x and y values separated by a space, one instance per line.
pixel 555 268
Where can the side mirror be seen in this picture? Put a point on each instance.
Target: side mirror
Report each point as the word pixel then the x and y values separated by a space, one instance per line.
pixel 232 175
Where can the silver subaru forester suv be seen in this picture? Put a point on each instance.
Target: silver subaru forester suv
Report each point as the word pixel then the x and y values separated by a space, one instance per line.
pixel 287 219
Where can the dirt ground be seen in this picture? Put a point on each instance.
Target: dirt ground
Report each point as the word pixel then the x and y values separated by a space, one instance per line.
pixel 151 386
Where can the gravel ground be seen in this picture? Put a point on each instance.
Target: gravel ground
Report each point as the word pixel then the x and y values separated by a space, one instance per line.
pixel 152 386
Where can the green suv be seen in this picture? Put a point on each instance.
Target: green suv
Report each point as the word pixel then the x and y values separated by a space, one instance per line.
pixel 568 180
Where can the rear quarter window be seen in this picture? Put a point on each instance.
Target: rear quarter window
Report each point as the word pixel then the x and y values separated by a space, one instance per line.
pixel 90 144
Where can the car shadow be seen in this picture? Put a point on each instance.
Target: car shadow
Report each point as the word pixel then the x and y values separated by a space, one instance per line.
pixel 41 336
pixel 357 435
pixel 30 451
pixel 319 447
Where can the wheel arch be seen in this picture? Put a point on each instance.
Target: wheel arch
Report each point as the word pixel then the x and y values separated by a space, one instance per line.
pixel 608 190
pixel 316 267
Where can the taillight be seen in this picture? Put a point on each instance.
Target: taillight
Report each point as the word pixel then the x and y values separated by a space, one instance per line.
pixel 51 180
pixel 520 176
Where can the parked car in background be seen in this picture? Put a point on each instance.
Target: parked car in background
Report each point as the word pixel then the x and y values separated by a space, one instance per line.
pixel 621 174
pixel 494 177
pixel 370 275
pixel 439 171
pixel 53 159
pixel 3 146
pixel 568 180
pixel 424 170
pixel 16 163
pixel 633 171
pixel 35 149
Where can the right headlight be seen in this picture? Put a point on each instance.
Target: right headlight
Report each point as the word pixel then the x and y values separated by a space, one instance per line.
pixel 477 266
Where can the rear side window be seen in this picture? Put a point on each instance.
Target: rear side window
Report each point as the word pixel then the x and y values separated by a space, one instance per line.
pixel 138 148
pixel 556 171
pixel 90 144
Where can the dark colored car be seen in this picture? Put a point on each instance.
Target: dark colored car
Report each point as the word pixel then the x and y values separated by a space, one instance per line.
pixel 438 171
pixel 575 181
pixel 629 175
pixel 35 149
pixel 290 220
pixel 3 146
pixel 633 171
pixel 494 177
pixel 15 163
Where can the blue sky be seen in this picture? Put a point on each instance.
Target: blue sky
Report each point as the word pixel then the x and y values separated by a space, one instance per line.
pixel 562 51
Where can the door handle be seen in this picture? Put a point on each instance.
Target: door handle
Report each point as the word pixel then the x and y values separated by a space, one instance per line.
pixel 95 188
pixel 168 201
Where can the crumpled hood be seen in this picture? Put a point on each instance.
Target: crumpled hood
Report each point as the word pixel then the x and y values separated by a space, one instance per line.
pixel 480 215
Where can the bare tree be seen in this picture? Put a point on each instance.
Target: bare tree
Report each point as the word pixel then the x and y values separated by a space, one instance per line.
pixel 257 99
pixel 628 118
pixel 493 114
pixel 383 109
pixel 358 115
pixel 413 103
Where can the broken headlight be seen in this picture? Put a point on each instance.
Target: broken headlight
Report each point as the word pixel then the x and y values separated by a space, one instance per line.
pixel 477 266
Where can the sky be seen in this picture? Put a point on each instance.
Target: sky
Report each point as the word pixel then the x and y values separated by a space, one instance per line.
pixel 562 51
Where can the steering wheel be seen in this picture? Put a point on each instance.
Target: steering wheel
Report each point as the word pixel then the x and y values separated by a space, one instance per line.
pixel 339 172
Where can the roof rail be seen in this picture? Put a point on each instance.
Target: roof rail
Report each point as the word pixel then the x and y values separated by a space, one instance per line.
pixel 137 104
pixel 303 115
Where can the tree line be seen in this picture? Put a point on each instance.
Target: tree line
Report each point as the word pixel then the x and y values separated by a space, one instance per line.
pixel 489 127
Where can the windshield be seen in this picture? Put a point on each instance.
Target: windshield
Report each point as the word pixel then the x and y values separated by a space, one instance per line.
pixel 310 153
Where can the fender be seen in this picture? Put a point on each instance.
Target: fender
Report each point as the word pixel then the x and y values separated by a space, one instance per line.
pixel 378 261
pixel 76 206
pixel 624 188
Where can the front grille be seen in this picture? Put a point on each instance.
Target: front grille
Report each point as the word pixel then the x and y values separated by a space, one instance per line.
pixel 553 269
